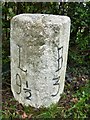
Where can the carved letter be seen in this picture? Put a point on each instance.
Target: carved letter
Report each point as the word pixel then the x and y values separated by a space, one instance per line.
pixel 18 82
pixel 27 91
pixel 60 58
pixel 19 65
pixel 56 83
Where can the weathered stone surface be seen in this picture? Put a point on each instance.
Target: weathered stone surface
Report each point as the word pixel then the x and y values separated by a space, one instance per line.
pixel 39 48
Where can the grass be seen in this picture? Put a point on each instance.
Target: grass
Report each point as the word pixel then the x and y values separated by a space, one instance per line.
pixel 74 103
pixel 82 108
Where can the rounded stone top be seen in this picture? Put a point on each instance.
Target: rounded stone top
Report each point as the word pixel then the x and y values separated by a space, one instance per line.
pixel 54 19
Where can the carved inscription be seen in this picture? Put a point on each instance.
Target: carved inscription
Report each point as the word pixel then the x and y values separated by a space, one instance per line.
pixel 27 90
pixel 18 78
pixel 60 63
pixel 56 83
pixel 56 79
pixel 18 83
pixel 19 65
pixel 60 58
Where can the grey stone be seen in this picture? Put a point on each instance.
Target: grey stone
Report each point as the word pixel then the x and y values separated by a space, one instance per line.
pixel 39 49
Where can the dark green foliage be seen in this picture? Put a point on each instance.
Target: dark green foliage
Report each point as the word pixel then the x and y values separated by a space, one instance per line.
pixel 80 34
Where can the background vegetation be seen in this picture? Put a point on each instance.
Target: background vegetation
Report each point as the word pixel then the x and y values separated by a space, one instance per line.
pixel 78 59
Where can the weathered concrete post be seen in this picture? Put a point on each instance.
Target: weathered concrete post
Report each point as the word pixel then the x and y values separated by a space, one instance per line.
pixel 39 48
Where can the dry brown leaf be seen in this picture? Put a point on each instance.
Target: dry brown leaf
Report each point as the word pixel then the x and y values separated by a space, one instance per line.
pixel 75 100
pixel 30 116
pixel 24 115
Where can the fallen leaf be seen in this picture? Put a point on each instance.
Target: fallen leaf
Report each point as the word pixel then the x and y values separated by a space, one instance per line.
pixel 30 116
pixel 24 115
pixel 75 100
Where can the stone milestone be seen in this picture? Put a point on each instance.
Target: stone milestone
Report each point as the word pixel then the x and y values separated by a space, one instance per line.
pixel 39 48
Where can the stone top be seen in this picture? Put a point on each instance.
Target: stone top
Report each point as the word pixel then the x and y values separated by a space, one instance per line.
pixel 42 25
pixel 56 19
